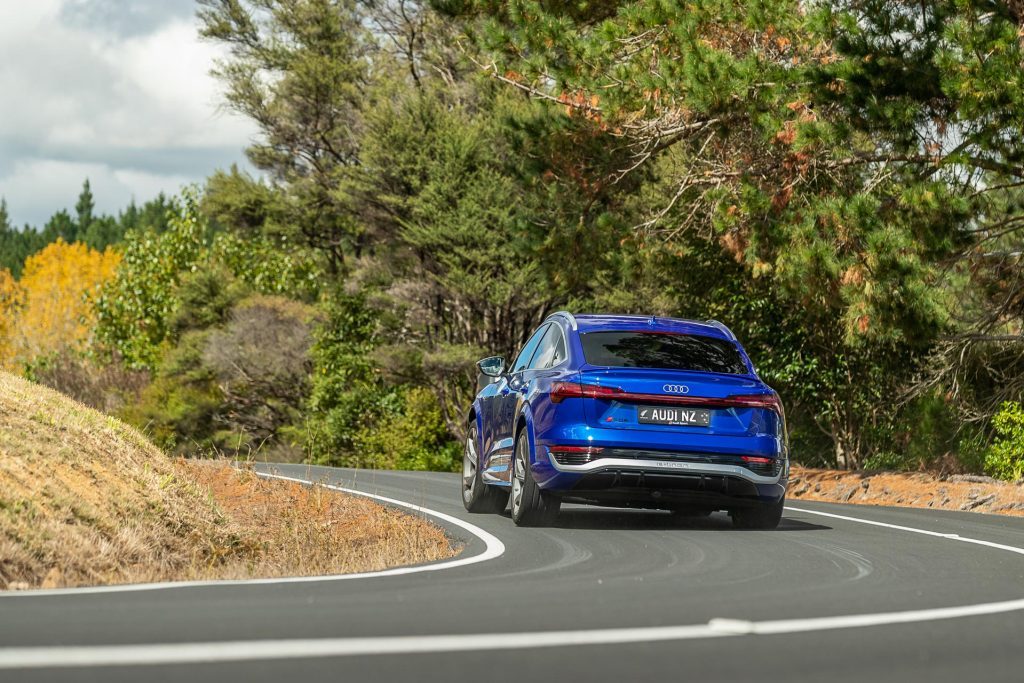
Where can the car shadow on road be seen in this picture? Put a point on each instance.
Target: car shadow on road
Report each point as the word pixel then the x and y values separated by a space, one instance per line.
pixel 619 519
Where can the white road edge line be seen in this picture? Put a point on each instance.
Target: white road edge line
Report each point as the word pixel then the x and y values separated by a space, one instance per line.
pixel 252 650
pixel 950 537
pixel 493 548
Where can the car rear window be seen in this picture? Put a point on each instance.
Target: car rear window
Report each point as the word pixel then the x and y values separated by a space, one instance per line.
pixel 662 351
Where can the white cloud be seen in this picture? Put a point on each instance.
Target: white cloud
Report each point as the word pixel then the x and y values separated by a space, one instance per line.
pixel 169 69
pixel 52 185
pixel 143 184
pixel 130 103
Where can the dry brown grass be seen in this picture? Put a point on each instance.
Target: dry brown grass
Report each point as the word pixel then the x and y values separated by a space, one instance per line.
pixel 302 530
pixel 907 489
pixel 86 500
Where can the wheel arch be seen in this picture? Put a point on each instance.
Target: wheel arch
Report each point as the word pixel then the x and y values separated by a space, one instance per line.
pixel 525 422
pixel 475 419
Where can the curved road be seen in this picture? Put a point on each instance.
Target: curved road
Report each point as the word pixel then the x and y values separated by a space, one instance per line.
pixel 611 595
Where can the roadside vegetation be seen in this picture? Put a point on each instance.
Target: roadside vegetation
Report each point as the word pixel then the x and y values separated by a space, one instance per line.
pixel 87 500
pixel 840 182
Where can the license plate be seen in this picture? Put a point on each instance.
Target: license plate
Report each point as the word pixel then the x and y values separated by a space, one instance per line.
pixel 662 415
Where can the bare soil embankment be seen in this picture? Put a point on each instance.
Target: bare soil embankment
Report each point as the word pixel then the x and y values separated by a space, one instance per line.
pixel 908 489
pixel 87 500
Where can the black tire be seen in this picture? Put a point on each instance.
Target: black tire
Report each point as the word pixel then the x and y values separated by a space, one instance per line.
pixel 530 505
pixel 476 495
pixel 760 517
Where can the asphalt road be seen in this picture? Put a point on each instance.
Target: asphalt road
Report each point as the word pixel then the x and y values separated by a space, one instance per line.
pixel 611 595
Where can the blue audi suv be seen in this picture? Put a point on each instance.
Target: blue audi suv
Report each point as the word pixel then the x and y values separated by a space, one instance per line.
pixel 627 411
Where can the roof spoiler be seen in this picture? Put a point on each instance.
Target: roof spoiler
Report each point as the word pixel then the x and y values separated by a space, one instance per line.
pixel 568 316
pixel 725 330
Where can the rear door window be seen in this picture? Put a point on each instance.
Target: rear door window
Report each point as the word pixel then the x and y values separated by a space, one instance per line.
pixel 662 351
pixel 531 346
pixel 551 351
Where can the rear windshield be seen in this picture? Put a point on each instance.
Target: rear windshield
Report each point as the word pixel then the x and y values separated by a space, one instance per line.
pixel 662 351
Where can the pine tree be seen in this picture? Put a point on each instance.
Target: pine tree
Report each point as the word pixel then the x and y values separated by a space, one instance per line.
pixel 60 226
pixel 846 152
pixel 299 69
pixel 16 245
pixel 84 208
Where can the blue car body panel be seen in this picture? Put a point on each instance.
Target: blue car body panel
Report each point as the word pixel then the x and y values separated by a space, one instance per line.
pixel 707 463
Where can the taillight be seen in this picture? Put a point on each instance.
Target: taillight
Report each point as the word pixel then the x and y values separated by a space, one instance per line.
pixel 769 401
pixel 564 390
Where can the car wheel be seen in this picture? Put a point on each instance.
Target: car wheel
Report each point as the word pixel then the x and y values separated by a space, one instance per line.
pixel 476 495
pixel 530 505
pixel 760 517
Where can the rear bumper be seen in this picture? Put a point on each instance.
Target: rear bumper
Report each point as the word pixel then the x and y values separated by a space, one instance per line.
pixel 668 490
pixel 660 482
pixel 664 466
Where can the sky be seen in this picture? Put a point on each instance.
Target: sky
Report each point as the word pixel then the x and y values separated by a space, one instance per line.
pixel 116 91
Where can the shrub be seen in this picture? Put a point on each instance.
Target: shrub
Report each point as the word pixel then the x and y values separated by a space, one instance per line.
pixel 135 308
pixel 347 395
pixel 261 362
pixel 178 409
pixel 169 276
pixel 932 427
pixel 415 438
pixel 972 449
pixel 107 387
pixel 921 434
pixel 358 419
pixel 1005 457
pixel 205 298
pixel 889 460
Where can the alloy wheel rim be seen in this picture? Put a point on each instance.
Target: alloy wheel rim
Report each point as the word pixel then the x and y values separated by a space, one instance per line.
pixel 518 478
pixel 469 461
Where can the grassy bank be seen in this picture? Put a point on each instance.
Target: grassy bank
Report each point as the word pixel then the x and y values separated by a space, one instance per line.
pixel 86 500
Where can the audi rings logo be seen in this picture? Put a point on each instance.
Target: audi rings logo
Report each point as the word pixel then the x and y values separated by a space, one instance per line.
pixel 676 389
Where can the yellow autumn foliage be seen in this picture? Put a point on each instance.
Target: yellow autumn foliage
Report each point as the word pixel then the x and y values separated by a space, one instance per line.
pixel 47 310
pixel 10 302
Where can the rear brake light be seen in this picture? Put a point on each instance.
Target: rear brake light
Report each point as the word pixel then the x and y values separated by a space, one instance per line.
pixel 756 459
pixel 564 390
pixel 575 449
pixel 769 401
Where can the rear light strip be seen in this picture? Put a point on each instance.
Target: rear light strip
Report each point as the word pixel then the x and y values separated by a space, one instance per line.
pixel 563 390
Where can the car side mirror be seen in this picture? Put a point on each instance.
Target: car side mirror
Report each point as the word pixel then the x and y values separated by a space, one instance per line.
pixel 493 366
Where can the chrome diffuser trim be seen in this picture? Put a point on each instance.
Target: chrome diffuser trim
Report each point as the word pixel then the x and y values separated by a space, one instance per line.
pixel 601 464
